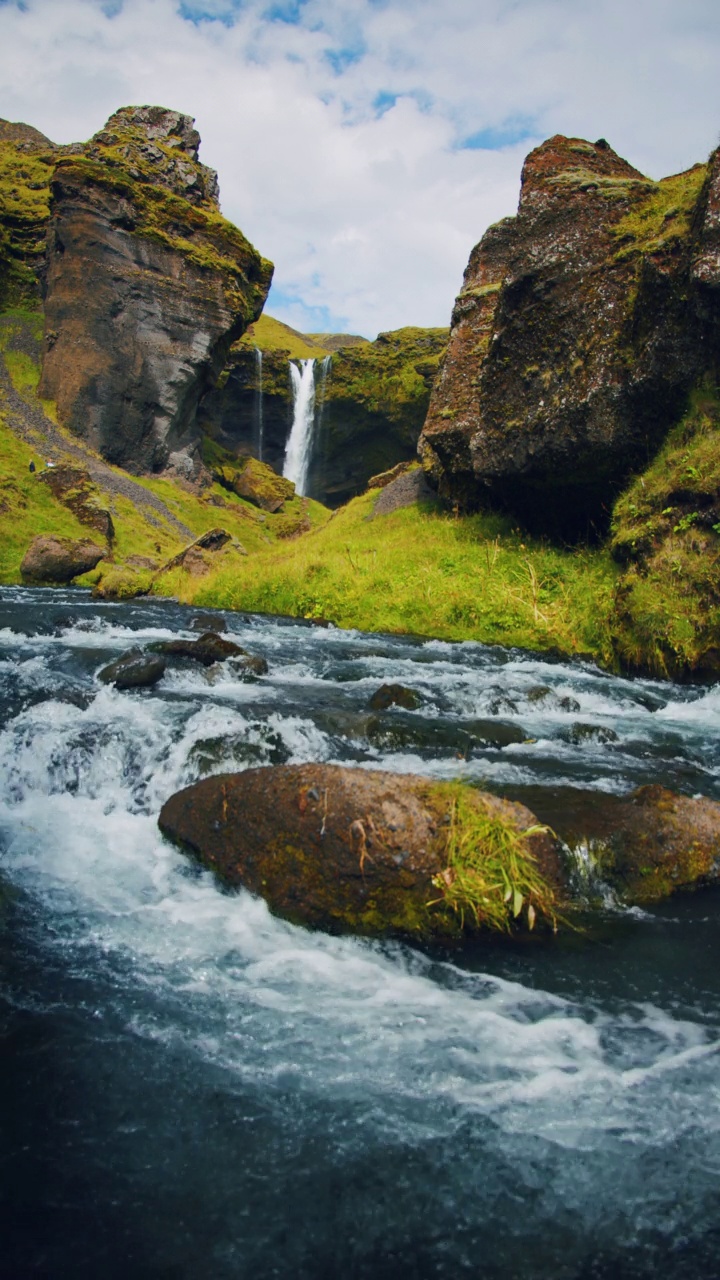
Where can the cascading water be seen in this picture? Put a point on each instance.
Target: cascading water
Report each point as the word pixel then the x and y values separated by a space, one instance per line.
pixel 299 446
pixel 259 422
pixel 191 1088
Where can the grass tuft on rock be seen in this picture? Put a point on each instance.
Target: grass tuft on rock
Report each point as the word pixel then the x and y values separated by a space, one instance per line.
pixel 491 878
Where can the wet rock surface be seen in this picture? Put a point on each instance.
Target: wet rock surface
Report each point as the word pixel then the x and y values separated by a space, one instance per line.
pixel 209 649
pixel 346 850
pixel 134 670
pixel 399 695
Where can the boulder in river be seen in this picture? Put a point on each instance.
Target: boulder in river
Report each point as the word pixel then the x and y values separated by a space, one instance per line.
pixel 399 695
pixel 658 842
pixel 368 852
pixel 210 648
pixel 134 670
pixel 56 560
pixel 645 846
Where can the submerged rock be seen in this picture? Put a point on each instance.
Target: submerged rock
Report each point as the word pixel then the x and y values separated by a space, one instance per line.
pixel 134 670
pixel 209 649
pixel 56 560
pixel 399 695
pixel 346 850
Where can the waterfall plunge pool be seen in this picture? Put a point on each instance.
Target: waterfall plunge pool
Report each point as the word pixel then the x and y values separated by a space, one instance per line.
pixel 192 1088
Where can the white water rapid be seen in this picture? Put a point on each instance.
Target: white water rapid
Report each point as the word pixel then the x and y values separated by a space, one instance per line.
pixel 193 1089
pixel 299 446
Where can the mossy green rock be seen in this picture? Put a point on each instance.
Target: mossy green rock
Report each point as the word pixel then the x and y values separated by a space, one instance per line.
pixel 654 842
pixel 345 850
pixel 581 326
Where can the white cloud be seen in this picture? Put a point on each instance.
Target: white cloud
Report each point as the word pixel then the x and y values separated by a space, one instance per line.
pixel 337 135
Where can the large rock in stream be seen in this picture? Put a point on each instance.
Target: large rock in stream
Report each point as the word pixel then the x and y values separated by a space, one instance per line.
pixel 367 852
pixel 346 850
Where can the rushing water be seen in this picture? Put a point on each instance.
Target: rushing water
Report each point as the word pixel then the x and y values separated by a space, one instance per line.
pixel 298 451
pixel 191 1088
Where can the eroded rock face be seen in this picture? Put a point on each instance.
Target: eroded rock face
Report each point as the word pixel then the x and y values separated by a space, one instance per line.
pixel 147 287
pixel 53 559
pixel 346 850
pixel 581 325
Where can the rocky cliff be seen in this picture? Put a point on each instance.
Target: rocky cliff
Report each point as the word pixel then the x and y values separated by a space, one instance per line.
pixel 582 325
pixel 27 160
pixel 371 401
pixel 147 286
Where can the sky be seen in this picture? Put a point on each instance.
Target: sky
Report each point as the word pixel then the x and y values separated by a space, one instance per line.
pixel 365 145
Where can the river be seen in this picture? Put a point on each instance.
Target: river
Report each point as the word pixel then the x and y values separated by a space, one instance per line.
pixel 191 1089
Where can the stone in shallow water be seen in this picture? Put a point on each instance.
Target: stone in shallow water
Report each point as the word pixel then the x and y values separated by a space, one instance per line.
pixel 394 694
pixel 209 649
pixel 134 670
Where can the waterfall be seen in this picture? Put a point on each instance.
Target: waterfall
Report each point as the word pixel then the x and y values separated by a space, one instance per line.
pixel 299 445
pixel 259 401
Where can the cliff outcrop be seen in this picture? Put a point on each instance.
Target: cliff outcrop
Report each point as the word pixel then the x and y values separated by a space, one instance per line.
pixel 146 288
pixel 27 160
pixel 371 399
pixel 581 327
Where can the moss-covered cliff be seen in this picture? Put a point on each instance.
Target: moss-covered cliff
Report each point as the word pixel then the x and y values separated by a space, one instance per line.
pixel 27 160
pixel 580 330
pixel 147 288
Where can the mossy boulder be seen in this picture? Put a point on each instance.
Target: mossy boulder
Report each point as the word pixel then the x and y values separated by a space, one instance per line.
pixel 646 846
pixel 257 483
pixel 56 560
pixel 358 851
pixel 122 582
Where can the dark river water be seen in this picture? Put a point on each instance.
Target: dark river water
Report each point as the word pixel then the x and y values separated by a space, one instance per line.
pixel 191 1089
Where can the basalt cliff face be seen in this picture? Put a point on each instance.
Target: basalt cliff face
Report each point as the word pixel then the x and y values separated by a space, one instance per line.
pixel 582 325
pixel 145 285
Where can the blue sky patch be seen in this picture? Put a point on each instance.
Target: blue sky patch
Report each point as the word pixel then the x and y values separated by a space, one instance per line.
pixel 495 137
pixel 197 11
pixel 289 307
pixel 341 59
